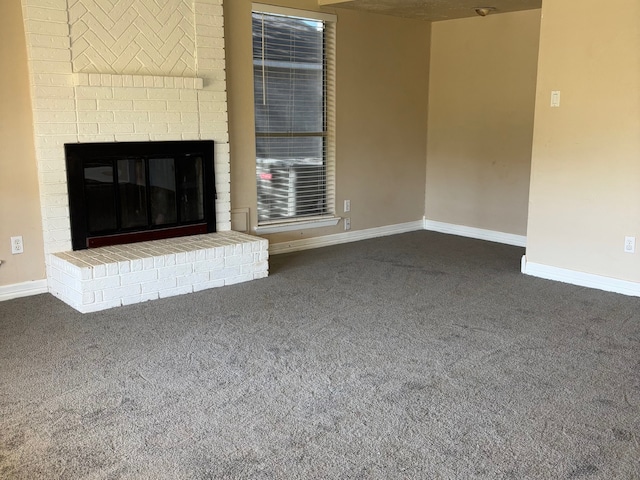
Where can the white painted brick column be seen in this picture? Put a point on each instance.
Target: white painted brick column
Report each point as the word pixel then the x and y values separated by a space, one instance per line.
pixel 74 101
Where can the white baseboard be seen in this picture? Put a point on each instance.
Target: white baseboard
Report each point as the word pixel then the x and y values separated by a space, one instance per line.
pixel 25 289
pixel 478 233
pixel 346 237
pixel 580 278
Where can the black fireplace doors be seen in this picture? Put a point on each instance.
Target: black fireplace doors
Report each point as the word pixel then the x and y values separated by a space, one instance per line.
pixel 134 191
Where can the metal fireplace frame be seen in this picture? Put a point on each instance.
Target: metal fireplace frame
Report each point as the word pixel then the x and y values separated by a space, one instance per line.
pixel 78 154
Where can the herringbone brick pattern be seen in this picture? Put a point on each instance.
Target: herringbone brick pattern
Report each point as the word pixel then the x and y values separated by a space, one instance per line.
pixel 143 37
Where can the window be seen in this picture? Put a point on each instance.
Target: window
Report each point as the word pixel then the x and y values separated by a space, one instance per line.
pixel 293 66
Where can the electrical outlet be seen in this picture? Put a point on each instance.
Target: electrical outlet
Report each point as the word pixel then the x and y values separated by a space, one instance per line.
pixel 347 223
pixel 16 245
pixel 630 244
pixel 347 205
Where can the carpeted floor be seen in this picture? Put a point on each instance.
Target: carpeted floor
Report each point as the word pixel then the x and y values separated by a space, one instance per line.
pixel 414 356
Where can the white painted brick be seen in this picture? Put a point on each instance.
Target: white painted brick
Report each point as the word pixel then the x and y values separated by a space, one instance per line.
pixel 184 127
pixel 52 79
pixel 46 28
pixel 258 275
pixel 87 105
pixel 192 279
pixel 53 91
pixel 100 93
pixel 120 292
pixel 37 40
pixel 88 129
pixel 209 284
pixel 124 267
pixel 189 117
pixel 92 116
pixel 88 297
pixel 58 104
pixel 136 265
pixel 97 138
pixel 55 128
pixel 105 80
pixel 232 261
pixel 163 94
pixel 181 106
pixel 41 116
pixel 129 93
pixel 176 291
pixel 213 69
pixel 113 269
pixel 225 273
pixel 164 117
pixel 116 128
pixel 188 95
pixel 206 32
pixel 45 14
pixel 239 279
pixel 175 271
pixel 181 257
pixel 158 285
pixel 138 277
pixel 157 128
pixel 150 105
pixel 208 265
pixel 102 283
pixel 170 259
pixel 145 297
pixel 131 137
pixel 115 105
pixel 50 54
pixel 131 117
pixel 48 66
pixel 212 20
pixel 211 53
pixel 190 136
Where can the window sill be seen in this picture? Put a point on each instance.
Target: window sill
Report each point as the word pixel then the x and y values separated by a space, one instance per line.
pixel 299 225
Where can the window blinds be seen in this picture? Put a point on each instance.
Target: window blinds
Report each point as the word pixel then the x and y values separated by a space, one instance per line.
pixel 293 91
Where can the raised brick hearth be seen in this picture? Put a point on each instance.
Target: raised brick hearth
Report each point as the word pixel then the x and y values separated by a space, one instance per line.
pixel 107 277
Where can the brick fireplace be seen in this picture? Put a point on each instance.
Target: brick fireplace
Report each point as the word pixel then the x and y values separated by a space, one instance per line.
pixel 135 71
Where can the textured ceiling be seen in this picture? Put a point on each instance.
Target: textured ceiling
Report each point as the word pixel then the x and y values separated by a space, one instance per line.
pixel 433 10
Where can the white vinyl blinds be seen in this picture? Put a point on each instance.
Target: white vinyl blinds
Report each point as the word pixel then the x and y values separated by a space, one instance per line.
pixel 293 91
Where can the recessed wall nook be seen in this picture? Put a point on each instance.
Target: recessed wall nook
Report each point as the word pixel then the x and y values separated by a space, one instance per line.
pixel 132 72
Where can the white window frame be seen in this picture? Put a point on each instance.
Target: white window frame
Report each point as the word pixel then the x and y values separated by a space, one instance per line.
pixel 328 219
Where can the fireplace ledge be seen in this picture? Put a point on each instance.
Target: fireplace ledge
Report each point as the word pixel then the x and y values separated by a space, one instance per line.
pixel 140 81
pixel 101 278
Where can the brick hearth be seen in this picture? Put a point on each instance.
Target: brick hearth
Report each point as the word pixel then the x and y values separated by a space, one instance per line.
pixel 107 277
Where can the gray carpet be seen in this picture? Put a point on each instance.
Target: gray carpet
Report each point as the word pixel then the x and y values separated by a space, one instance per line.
pixel 413 356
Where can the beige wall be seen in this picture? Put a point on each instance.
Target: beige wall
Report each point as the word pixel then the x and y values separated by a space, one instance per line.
pixel 382 77
pixel 481 110
pixel 585 185
pixel 19 198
